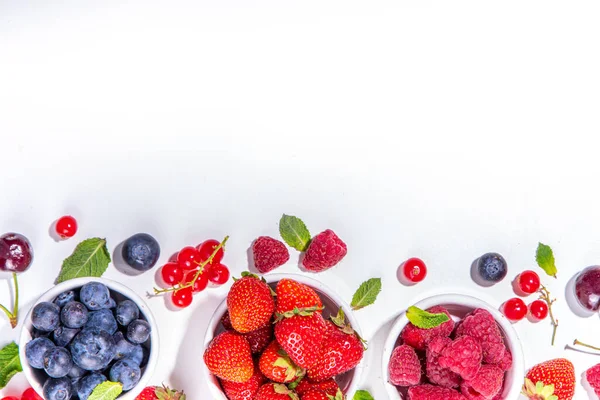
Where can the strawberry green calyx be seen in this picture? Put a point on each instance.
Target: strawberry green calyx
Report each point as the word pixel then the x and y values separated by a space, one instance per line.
pixel 304 312
pixel 282 389
pixel 165 393
pixel 247 274
pixel 338 396
pixel 340 321
pixel 295 384
pixel 538 391
pixel 291 370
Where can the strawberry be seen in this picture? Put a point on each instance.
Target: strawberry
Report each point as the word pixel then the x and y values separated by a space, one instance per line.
pixel 329 386
pixel 342 350
pixel 551 380
pixel 276 365
pixel 160 393
pixel 258 339
pixel 250 303
pixel 275 391
pixel 292 294
pixel 246 390
pixel 318 394
pixel 301 333
pixel 228 357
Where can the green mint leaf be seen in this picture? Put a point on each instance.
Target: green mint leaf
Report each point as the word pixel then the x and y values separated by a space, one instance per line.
pixel 425 320
pixel 362 395
pixel 106 391
pixel 545 259
pixel 294 232
pixel 10 363
pixel 90 258
pixel 366 294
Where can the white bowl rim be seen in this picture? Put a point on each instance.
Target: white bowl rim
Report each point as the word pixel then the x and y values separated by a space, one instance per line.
pixel 49 295
pixel 271 278
pixel 518 367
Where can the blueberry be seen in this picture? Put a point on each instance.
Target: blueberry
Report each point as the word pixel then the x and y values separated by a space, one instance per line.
pixel 35 350
pixel 57 362
pixel 138 331
pixel 93 349
pixel 492 267
pixel 127 372
pixel 88 383
pixel 36 333
pixel 141 251
pixel 95 296
pixel 102 319
pixel 76 372
pixel 111 303
pixel 146 357
pixel 64 298
pixel 57 389
pixel 63 335
pixel 126 349
pixel 45 316
pixel 74 315
pixel 127 311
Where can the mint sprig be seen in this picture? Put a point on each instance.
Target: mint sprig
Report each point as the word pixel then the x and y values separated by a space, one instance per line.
pixel 106 391
pixel 90 258
pixel 10 364
pixel 366 294
pixel 545 259
pixel 294 232
pixel 425 320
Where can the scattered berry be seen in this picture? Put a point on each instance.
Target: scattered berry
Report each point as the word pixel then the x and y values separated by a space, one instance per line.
pixel 182 298
pixel 188 258
pixel 481 325
pixel 592 375
pixel 276 365
pixel 206 249
pixel 419 338
pixel 487 383
pixel 538 310
pixel 30 394
pixel 463 356
pixel 269 254
pixel 246 390
pixel 16 253
pixel 324 251
pixel 404 368
pixel 302 337
pixel 414 270
pixel 435 372
pixel 587 287
pixel 529 282
pixel 430 392
pixel 141 252
pixel 218 274
pixel 292 294
pixel 492 267
pixel 558 372
pixel 228 357
pixel 171 273
pixel 515 309
pixel 250 303
pixel 66 227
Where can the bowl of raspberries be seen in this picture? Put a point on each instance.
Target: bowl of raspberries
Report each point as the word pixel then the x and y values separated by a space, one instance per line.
pixel 284 337
pixel 84 332
pixel 453 347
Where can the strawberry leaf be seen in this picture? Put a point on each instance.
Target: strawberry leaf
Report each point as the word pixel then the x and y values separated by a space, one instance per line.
pixel 294 232
pixel 545 259
pixel 366 294
pixel 425 320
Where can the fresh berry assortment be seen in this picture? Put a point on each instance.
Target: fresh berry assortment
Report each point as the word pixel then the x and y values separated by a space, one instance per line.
pixel 551 378
pixel 414 271
pixel 86 338
pixel 515 309
pixel 528 282
pixel 141 252
pixel 66 227
pixel 268 254
pixel 492 267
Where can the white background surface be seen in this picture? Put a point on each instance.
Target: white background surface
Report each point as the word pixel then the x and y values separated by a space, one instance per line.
pixel 433 129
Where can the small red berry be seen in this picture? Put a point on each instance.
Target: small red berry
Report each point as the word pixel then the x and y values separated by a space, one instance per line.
pixel 414 270
pixel 207 248
pixel 188 258
pixel 200 284
pixel 218 274
pixel 30 394
pixel 529 282
pixel 171 273
pixel 515 309
pixel 66 227
pixel 182 297
pixel 538 310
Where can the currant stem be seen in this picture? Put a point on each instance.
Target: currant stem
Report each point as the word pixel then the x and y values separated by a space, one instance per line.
pixel 577 342
pixel 545 296
pixel 13 316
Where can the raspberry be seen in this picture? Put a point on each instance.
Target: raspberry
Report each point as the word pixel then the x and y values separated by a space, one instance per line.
pixel 404 367
pixel 506 361
pixel 487 383
pixel 593 377
pixel 430 392
pixel 324 251
pixel 436 374
pixel 462 356
pixel 419 338
pixel 269 254
pixel 481 325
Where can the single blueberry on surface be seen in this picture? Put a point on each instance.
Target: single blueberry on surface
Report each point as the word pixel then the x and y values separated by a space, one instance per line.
pixel 138 331
pixel 76 372
pixel 102 319
pixel 126 349
pixel 64 298
pixel 35 350
pixel 88 383
pixel 57 362
pixel 141 251
pixel 93 349
pixel 62 335
pixel 57 389
pixel 45 316
pixel 95 296
pixel 74 314
pixel 492 267
pixel 127 311
pixel 127 372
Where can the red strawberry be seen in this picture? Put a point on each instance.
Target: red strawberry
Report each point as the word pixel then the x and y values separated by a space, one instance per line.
pixel 160 393
pixel 557 379
pixel 292 294
pixel 246 390
pixel 258 339
pixel 250 303
pixel 275 391
pixel 276 365
pixel 301 334
pixel 342 350
pixel 228 357
pixel 318 394
pixel 329 386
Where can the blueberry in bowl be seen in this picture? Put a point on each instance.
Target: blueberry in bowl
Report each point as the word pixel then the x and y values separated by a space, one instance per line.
pixel 86 331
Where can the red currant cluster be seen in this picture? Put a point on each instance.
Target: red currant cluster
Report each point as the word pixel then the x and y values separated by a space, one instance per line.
pixel 192 269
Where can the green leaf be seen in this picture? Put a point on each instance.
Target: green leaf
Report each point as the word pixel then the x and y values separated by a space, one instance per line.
pixel 106 391
pixel 362 395
pixel 10 364
pixel 366 294
pixel 425 320
pixel 545 259
pixel 294 232
pixel 90 258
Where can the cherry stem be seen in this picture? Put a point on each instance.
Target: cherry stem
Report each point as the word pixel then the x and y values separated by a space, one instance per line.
pixel 545 296
pixel 13 316
pixel 577 342
pixel 202 265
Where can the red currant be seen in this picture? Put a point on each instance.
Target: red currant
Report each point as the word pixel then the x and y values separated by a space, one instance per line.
pixel 515 309
pixel 30 394
pixel 218 274
pixel 538 310
pixel 182 298
pixel 529 282
pixel 414 270
pixel 171 273
pixel 200 284
pixel 188 258
pixel 66 227
pixel 207 248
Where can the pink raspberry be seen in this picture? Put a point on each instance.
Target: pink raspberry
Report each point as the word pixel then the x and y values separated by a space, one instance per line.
pixel 419 338
pixel 506 362
pixel 487 383
pixel 269 254
pixel 436 374
pixel 324 251
pixel 481 325
pixel 593 377
pixel 463 356
pixel 404 367
pixel 430 392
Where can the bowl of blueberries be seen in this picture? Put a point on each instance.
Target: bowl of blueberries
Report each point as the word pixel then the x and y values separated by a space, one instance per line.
pixel 84 332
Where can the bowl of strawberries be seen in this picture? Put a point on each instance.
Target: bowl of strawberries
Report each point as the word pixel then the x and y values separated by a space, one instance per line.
pixel 453 347
pixel 283 336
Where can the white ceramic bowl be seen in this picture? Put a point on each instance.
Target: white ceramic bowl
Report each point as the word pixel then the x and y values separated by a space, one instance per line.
pixel 459 306
pixel 348 382
pixel 118 292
